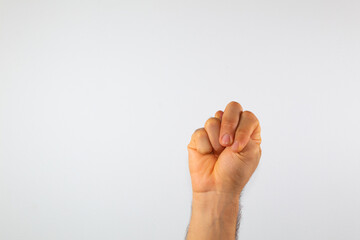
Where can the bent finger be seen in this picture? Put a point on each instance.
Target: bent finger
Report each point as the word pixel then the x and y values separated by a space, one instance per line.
pixel 248 125
pixel 200 141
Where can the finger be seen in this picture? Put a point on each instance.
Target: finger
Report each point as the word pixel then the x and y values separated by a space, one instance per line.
pixel 229 122
pixel 212 127
pixel 219 114
pixel 200 141
pixel 249 127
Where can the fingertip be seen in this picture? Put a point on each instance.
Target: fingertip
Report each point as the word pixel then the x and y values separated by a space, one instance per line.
pixel 203 144
pixel 219 114
pixel 205 150
pixel 239 144
pixel 235 146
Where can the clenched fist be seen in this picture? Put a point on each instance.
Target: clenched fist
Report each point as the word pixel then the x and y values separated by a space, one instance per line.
pixel 226 151
pixel 222 157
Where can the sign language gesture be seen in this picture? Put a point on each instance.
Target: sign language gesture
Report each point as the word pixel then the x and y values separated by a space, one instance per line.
pixel 225 152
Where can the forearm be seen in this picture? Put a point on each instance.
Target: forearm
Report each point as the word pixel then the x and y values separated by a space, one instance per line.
pixel 214 216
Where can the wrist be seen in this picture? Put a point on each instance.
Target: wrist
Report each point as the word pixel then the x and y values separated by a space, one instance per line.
pixel 217 205
pixel 213 198
pixel 215 213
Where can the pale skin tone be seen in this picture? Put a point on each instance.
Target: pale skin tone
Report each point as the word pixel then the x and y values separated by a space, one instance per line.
pixel 219 168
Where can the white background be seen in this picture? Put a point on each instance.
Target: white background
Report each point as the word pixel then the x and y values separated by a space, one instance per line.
pixel 98 101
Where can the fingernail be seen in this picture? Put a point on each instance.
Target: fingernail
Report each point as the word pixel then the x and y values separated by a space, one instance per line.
pixel 226 139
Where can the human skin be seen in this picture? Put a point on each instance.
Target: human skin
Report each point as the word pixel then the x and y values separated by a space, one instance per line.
pixel 220 169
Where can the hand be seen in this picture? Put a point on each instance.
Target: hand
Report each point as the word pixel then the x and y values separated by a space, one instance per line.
pixel 219 168
pixel 225 153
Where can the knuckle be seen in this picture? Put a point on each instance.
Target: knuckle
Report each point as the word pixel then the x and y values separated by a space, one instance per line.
pixel 218 114
pixel 199 132
pixel 228 125
pixel 250 115
pixel 234 104
pixel 241 132
pixel 213 121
